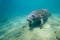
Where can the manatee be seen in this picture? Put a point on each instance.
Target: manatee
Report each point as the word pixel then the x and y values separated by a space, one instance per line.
pixel 38 17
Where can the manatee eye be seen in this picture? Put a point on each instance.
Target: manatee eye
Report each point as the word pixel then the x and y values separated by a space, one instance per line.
pixel 33 16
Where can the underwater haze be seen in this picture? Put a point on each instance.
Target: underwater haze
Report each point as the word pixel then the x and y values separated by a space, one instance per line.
pixel 13 24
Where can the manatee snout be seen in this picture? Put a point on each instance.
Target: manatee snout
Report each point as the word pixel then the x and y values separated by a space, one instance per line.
pixel 31 20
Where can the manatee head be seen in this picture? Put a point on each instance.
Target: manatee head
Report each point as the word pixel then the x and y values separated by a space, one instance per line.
pixel 31 17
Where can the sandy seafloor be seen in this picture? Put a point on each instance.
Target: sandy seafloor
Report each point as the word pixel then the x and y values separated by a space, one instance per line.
pixel 18 29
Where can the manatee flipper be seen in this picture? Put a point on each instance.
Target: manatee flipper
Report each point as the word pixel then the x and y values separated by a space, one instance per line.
pixel 42 21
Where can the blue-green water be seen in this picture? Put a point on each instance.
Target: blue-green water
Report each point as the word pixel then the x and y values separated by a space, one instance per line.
pixel 12 8
pixel 14 12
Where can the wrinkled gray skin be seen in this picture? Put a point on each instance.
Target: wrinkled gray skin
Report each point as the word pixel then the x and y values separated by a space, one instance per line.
pixel 38 17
